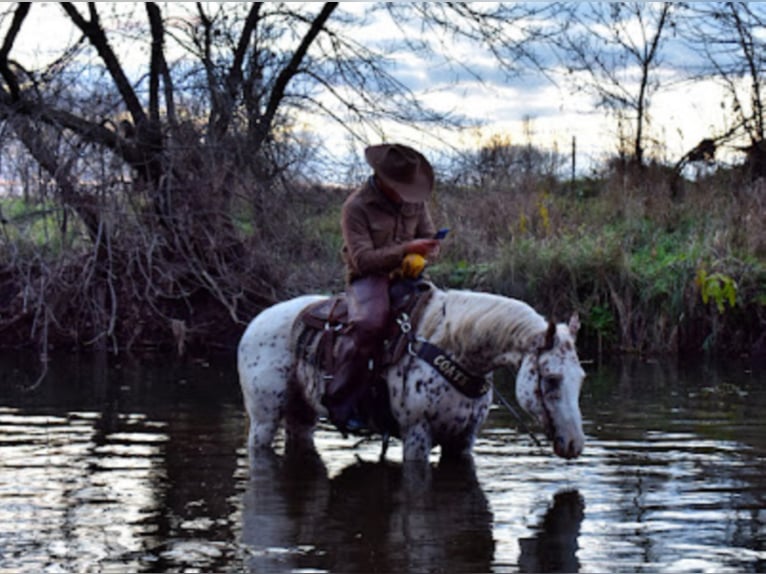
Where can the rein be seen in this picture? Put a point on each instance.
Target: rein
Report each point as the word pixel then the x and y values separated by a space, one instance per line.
pixel 517 416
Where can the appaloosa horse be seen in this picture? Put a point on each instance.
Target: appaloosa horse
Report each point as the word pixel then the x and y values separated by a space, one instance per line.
pixel 473 335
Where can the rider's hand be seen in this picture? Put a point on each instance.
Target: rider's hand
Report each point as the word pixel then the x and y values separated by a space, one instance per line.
pixel 424 247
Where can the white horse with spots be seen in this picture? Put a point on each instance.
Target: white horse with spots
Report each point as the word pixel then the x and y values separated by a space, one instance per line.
pixel 478 331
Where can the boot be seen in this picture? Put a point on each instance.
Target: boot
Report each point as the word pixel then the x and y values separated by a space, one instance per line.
pixel 343 391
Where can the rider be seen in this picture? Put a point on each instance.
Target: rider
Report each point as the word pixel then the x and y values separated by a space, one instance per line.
pixel 382 221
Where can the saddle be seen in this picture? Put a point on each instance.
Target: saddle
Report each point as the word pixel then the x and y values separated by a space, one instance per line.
pixel 408 297
pixel 329 319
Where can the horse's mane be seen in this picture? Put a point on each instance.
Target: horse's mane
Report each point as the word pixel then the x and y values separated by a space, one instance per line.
pixel 461 318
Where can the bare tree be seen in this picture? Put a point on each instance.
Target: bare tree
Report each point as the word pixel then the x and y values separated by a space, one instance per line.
pixel 730 39
pixel 500 164
pixel 614 51
pixel 193 107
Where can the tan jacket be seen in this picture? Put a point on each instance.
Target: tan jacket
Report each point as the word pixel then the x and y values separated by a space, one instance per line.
pixel 375 230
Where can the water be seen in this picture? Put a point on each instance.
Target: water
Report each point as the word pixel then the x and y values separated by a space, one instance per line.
pixel 139 465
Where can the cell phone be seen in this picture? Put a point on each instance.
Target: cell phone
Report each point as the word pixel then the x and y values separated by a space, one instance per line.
pixel 442 233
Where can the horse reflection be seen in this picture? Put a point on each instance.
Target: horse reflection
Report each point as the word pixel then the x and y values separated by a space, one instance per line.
pixel 554 547
pixel 371 517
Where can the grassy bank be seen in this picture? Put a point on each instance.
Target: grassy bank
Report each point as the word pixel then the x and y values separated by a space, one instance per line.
pixel 647 273
pixel 651 269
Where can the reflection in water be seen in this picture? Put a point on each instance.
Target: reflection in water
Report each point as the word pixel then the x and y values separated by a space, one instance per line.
pixel 73 496
pixel 105 468
pixel 142 467
pixel 554 548
pixel 371 517
pixel 279 505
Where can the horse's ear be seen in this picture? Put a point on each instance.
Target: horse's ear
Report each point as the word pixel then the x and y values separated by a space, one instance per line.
pixel 550 335
pixel 574 324
pixel 544 341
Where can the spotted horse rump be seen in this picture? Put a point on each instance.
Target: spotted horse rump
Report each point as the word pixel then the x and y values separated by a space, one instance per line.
pixel 462 335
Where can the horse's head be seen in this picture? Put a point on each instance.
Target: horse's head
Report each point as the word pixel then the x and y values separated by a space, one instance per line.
pixel 548 386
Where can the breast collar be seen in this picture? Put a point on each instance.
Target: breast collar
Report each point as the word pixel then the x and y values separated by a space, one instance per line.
pixel 471 385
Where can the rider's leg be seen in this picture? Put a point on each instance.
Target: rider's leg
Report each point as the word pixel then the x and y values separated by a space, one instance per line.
pixel 368 315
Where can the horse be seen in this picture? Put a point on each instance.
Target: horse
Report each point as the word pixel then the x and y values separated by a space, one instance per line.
pixel 476 333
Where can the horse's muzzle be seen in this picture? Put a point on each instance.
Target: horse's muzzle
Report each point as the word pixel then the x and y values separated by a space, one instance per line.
pixel 568 448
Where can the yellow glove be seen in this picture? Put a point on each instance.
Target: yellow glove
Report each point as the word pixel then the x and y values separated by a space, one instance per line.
pixel 413 265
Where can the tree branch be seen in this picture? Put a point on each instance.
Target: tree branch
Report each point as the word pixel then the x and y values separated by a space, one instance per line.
pixel 32 139
pixel 235 75
pixel 22 9
pixel 156 60
pixel 95 33
pixel 288 72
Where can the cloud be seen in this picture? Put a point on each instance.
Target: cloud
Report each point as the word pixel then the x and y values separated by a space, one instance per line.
pixel 466 81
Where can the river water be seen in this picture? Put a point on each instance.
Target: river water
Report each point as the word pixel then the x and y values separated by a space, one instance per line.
pixel 115 465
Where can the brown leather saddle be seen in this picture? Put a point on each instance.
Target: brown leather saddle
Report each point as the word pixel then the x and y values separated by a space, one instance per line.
pixel 328 320
pixel 330 316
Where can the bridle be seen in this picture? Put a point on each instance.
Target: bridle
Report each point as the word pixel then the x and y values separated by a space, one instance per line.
pixel 548 420
pixel 549 423
pixel 547 417
pixel 550 339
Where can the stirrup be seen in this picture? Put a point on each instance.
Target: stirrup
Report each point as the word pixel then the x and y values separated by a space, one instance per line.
pixel 355 425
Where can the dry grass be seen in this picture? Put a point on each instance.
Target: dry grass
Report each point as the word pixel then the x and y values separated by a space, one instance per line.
pixel 628 257
pixel 647 272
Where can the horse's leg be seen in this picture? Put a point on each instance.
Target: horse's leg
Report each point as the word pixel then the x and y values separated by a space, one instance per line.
pixel 417 482
pixel 457 450
pixel 416 442
pixel 265 363
pixel 265 404
pixel 300 420
pixel 463 435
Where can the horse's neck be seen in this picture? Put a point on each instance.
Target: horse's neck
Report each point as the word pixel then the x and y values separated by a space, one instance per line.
pixel 481 330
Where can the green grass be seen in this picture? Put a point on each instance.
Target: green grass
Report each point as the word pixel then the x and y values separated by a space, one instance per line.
pixel 35 226
pixel 646 273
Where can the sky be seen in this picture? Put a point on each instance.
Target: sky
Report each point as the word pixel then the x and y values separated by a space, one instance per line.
pixel 549 114
pixel 525 109
pixel 552 113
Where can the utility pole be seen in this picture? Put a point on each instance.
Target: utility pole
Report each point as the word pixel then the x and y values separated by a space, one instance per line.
pixel 574 163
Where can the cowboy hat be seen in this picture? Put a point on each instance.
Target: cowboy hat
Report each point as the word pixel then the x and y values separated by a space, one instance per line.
pixel 403 169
